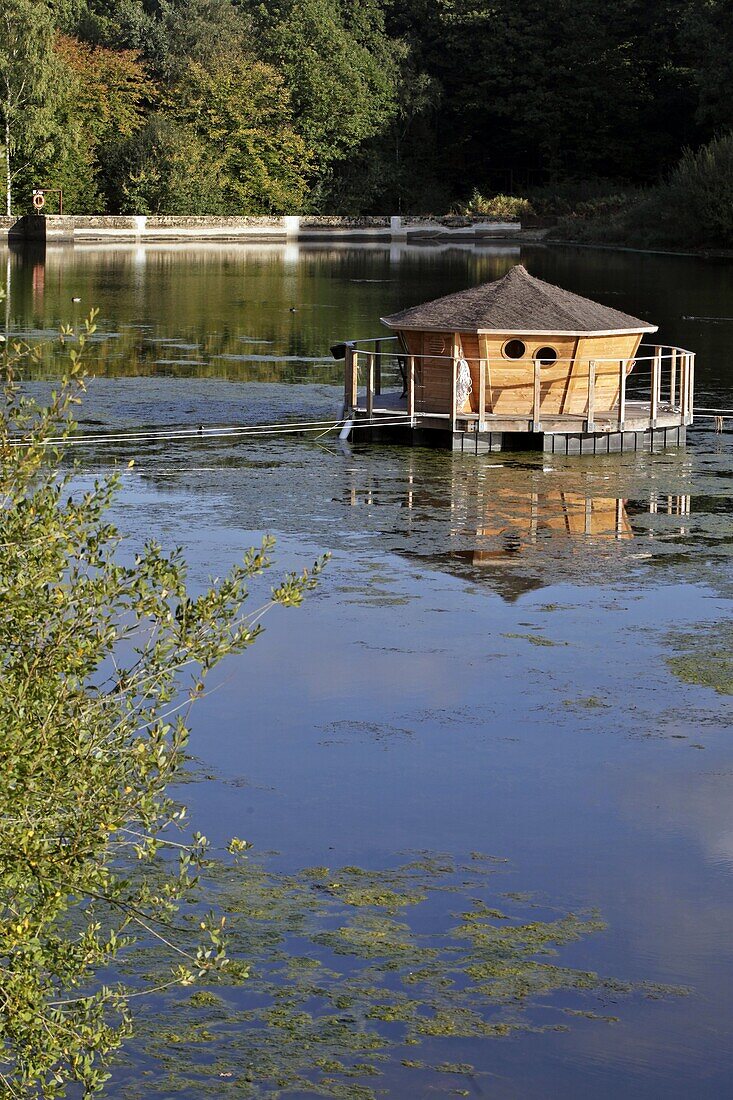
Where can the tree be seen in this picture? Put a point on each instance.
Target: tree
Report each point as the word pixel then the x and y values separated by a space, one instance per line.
pixel 167 34
pixel 556 89
pixel 343 71
pixel 32 84
pixel 100 663
pixel 707 39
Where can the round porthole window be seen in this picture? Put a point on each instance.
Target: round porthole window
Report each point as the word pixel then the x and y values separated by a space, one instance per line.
pixel 514 349
pixel 546 356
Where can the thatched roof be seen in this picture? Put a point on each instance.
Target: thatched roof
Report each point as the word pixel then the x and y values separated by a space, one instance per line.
pixel 519 304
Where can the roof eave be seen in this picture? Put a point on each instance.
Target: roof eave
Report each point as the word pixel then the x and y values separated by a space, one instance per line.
pixel 402 327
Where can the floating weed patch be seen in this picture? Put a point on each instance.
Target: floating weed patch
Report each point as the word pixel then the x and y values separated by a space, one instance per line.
pixel 586 702
pixel 351 969
pixel 535 639
pixel 376 731
pixel 705 657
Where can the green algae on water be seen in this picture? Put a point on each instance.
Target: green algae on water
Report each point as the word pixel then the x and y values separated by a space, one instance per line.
pixel 535 639
pixel 351 969
pixel 704 657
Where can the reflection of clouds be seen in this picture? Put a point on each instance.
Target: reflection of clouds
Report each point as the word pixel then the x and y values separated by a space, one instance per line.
pixel 723 848
pixel 700 806
pixel 670 918
pixel 576 795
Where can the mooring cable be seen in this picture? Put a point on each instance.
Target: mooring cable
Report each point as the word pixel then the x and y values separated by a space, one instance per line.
pixel 225 431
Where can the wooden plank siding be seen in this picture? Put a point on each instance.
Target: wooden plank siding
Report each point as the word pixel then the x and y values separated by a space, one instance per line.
pixel 599 348
pixel 432 369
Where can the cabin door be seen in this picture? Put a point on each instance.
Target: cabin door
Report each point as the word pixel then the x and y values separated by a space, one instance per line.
pixel 433 393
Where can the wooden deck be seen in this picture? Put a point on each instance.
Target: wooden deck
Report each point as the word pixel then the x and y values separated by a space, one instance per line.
pixel 653 406
pixel 636 418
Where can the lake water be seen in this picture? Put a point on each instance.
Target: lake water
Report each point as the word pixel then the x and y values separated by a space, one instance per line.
pixel 501 657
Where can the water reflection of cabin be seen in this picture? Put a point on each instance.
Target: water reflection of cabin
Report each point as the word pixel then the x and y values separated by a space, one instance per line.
pixel 520 362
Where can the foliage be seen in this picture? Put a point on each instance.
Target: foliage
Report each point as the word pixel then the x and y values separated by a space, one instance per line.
pixel 111 91
pixel 502 206
pixel 692 207
pixel 344 74
pixel 163 168
pixel 707 33
pixel 701 190
pixel 557 89
pixel 101 662
pixel 369 106
pixel 245 111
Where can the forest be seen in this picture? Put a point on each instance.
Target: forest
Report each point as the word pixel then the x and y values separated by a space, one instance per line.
pixel 326 106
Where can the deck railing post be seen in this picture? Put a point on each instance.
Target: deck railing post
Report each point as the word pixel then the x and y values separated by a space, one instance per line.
pixel 656 380
pixel 673 379
pixel 378 368
pixel 621 394
pixel 411 389
pixel 453 395
pixel 685 387
pixel 590 421
pixel 537 398
pixel 691 402
pixel 482 395
pixel 370 385
pixel 351 378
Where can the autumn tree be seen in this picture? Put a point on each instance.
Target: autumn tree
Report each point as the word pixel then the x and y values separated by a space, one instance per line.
pixel 112 90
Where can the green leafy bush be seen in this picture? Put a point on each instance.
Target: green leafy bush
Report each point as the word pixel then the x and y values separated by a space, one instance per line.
pixel 605 207
pixel 100 662
pixel 498 206
pixel 692 208
pixel 700 191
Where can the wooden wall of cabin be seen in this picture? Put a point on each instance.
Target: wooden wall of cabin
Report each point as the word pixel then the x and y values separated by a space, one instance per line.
pixel 510 382
pixel 601 349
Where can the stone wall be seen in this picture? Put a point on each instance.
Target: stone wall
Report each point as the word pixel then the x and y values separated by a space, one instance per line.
pixel 79 228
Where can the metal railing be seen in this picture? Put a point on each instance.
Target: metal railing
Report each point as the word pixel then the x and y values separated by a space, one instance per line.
pixel 658 379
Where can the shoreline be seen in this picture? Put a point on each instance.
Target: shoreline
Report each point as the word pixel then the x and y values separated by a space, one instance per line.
pixel 72 230
pixel 700 254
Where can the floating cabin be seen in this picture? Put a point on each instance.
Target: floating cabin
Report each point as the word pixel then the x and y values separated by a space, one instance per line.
pixel 518 364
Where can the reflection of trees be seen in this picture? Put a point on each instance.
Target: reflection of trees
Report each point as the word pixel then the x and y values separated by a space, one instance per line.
pixel 204 311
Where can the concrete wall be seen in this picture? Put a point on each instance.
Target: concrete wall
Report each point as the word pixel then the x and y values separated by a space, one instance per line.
pixel 80 228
